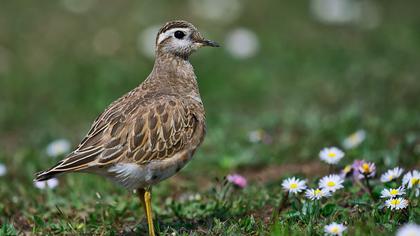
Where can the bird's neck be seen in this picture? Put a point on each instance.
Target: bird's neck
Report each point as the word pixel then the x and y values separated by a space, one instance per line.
pixel 175 74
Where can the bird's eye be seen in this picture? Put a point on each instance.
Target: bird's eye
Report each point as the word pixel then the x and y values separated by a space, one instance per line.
pixel 179 34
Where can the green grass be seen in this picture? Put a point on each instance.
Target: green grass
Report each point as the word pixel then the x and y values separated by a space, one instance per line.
pixel 309 86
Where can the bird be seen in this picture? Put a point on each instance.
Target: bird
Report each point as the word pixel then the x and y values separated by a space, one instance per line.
pixel 151 132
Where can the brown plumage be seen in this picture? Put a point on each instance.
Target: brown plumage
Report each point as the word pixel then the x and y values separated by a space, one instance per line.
pixel 151 132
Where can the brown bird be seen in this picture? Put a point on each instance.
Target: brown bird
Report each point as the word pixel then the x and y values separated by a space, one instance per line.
pixel 150 133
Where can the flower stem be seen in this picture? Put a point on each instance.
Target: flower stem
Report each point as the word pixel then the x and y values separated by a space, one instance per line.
pixel 369 188
pixel 298 203
pixel 283 203
pixel 317 208
pixel 314 211
pixel 392 220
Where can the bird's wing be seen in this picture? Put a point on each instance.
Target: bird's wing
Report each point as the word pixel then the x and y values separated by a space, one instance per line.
pixel 137 132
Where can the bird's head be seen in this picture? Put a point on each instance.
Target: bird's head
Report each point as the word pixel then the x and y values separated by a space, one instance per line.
pixel 180 38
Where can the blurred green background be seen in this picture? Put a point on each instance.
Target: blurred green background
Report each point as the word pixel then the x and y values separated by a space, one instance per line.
pixel 63 62
pixel 304 74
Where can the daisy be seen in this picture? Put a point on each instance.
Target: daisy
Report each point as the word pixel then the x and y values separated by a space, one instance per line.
pixel 331 183
pixel 391 174
pixel 331 155
pixel 355 166
pixel 293 185
pixel 3 170
pixel 255 136
pixel 258 136
pixel 396 203
pixel 51 183
pixel 189 197
pixel 242 43
pixel 146 41
pixel 58 147
pixel 412 179
pixel 409 229
pixel 334 229
pixel 354 140
pixel 346 171
pixel 316 194
pixel 392 192
pixel 237 180
pixel 367 169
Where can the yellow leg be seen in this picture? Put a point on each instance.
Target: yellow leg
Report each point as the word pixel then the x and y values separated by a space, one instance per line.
pixel 145 196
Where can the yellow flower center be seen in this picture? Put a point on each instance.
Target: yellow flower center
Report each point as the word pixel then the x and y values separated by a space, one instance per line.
pixel 390 177
pixel 331 155
pixel 414 180
pixel 331 184
pixel 354 138
pixel 393 191
pixel 395 202
pixel 365 167
pixel 347 169
pixel 318 192
pixel 293 185
pixel 334 230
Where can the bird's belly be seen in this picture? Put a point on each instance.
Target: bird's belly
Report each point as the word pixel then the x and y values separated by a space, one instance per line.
pixel 134 176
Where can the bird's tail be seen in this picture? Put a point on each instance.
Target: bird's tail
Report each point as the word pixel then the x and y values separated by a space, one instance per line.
pixel 60 168
pixel 44 175
pixel 76 161
pixel 47 174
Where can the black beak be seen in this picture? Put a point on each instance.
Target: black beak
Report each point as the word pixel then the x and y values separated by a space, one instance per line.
pixel 210 43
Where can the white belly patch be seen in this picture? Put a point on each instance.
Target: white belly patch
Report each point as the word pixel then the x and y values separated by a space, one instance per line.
pixel 130 175
pixel 133 176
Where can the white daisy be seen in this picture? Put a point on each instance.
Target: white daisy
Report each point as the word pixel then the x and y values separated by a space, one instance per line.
pixel 222 11
pixel 331 183
pixel 396 203
pixel 331 155
pixel 316 194
pixel 51 183
pixel 367 169
pixel 58 147
pixel 3 170
pixel 242 43
pixel 293 185
pixel 78 6
pixel 354 140
pixel 334 229
pixel 256 136
pixel 146 41
pixel 392 192
pixel 412 179
pixel 409 229
pixel 391 174
pixel 335 12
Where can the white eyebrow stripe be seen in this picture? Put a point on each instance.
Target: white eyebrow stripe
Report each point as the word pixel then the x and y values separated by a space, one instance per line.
pixel 168 33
